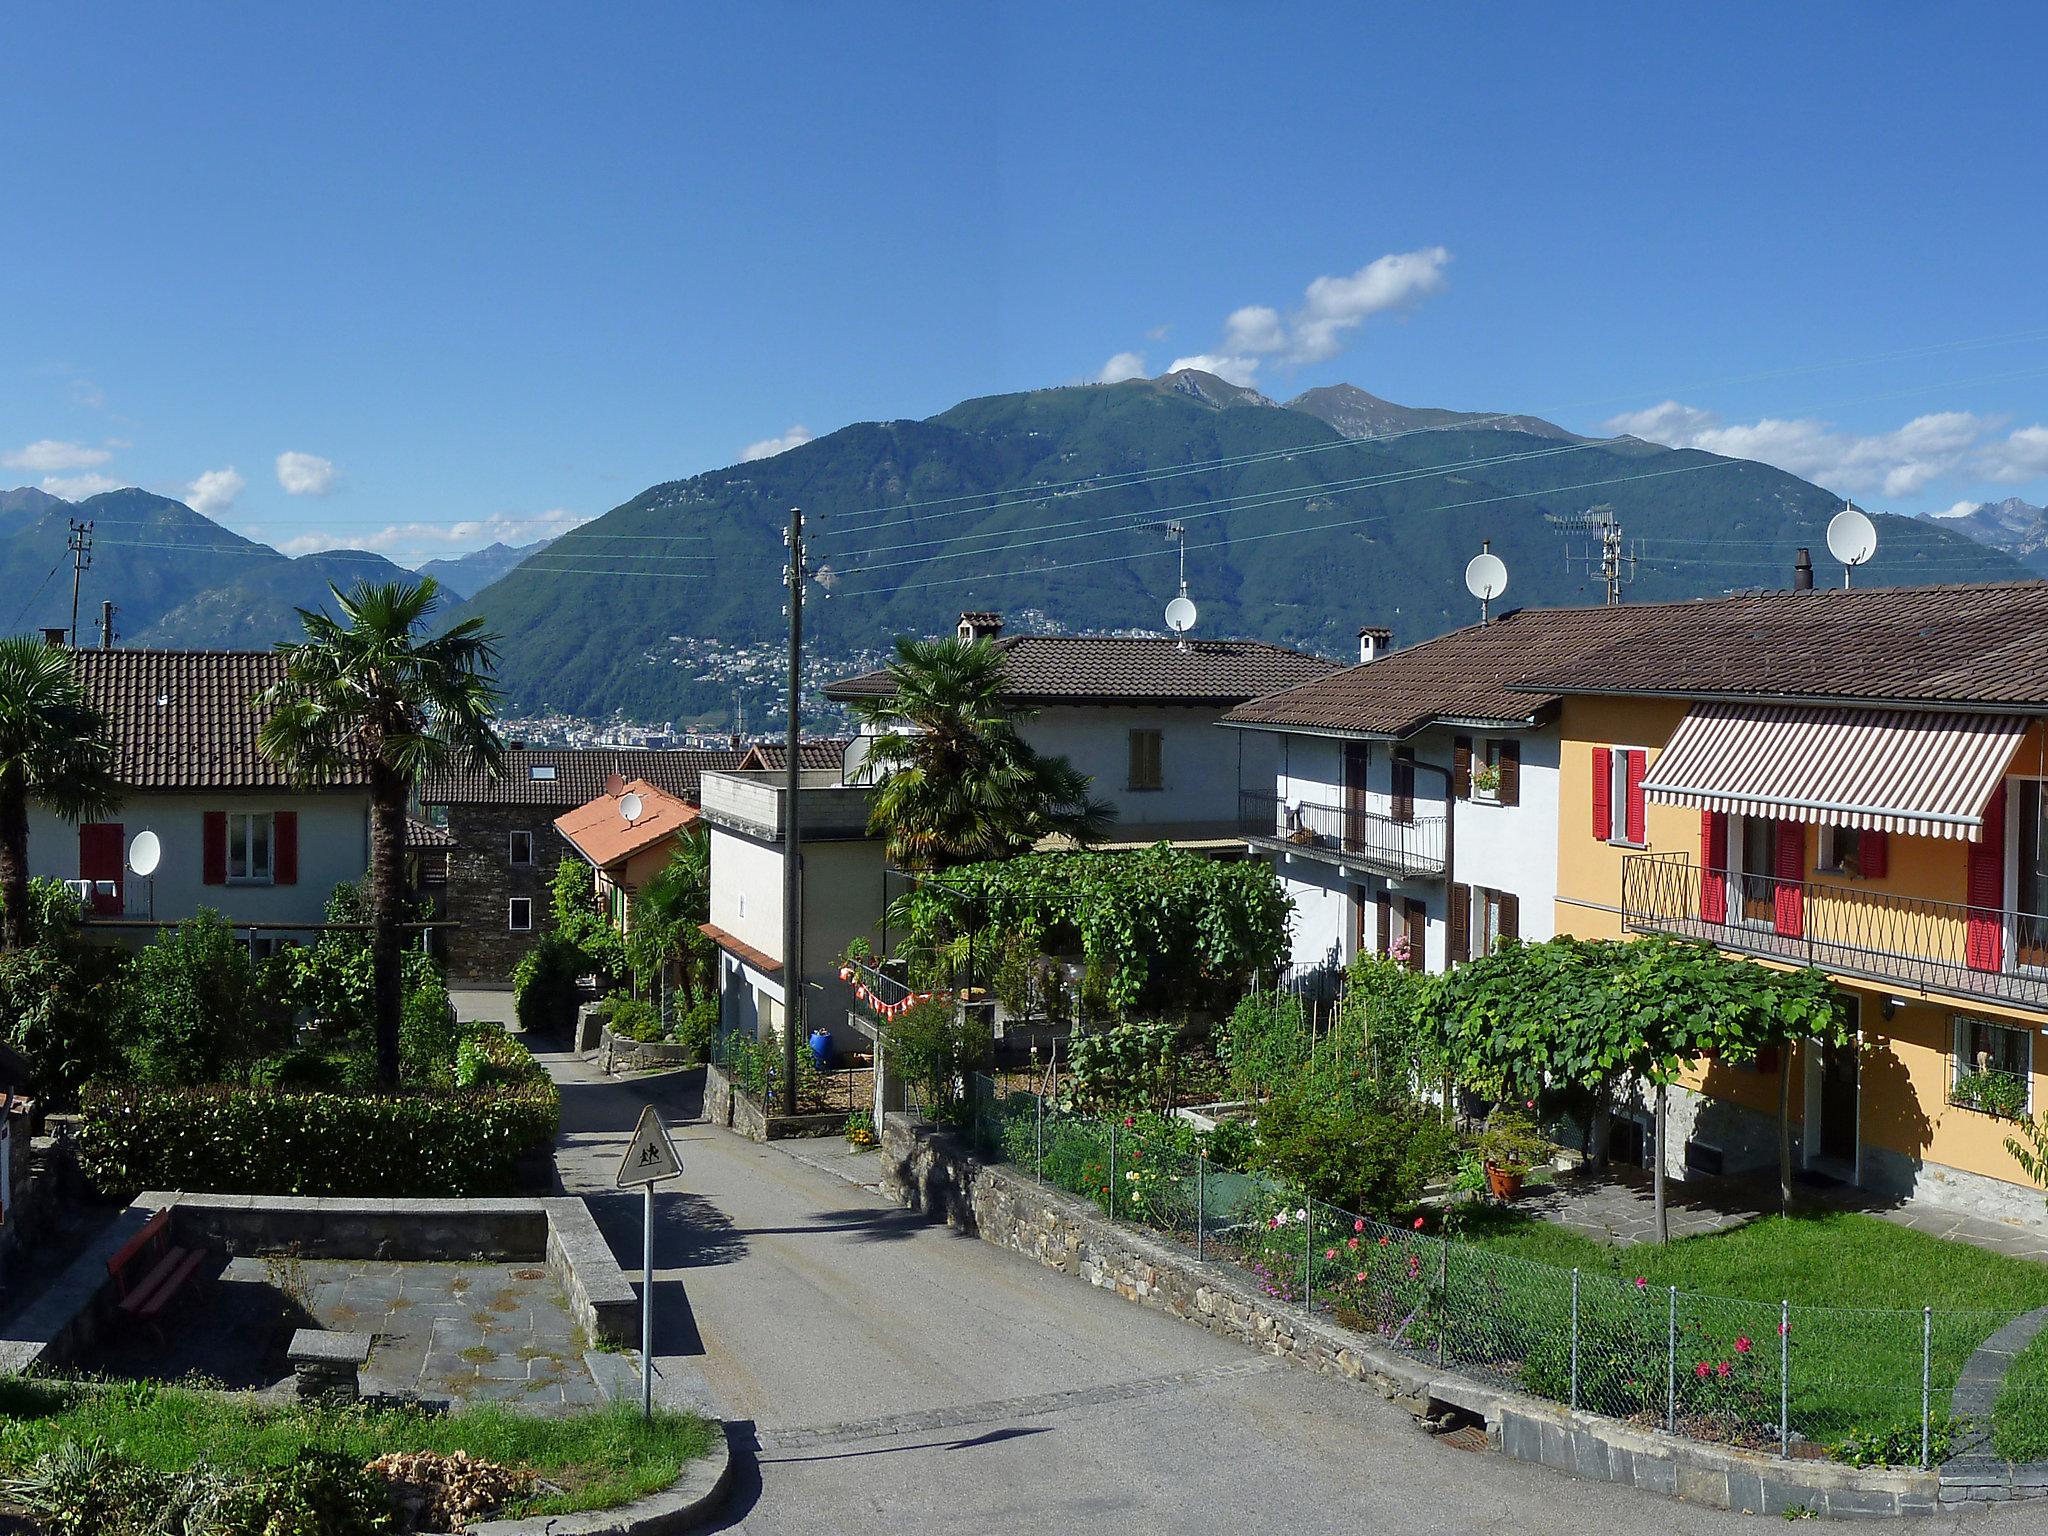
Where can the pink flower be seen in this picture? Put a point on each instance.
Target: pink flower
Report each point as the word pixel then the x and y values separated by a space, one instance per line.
pixel 1418 1223
pixel 1742 1345
pixel 1722 1369
pixel 1641 1281
pixel 1359 1278
pixel 1358 1225
pixel 1414 1266
pixel 1702 1370
pixel 1329 1253
pixel 1384 1240
pixel 1783 1329
pixel 1352 1244
pixel 1129 1121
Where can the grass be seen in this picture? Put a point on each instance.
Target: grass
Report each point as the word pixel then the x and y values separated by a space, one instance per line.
pixel 2020 1422
pixel 598 1460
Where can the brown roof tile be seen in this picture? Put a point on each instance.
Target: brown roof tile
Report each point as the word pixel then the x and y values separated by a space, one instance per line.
pixel 572 776
pixel 1111 669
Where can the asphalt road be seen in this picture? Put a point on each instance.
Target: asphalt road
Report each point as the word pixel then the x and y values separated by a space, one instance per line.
pixel 885 1374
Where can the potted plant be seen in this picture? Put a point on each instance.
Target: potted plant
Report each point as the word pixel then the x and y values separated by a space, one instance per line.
pixel 1509 1147
pixel 1486 778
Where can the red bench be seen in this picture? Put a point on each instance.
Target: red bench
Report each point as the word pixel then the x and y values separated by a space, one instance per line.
pixel 149 1272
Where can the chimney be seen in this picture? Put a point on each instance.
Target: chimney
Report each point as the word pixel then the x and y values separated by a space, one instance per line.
pixel 55 634
pixel 1373 643
pixel 107 625
pixel 615 785
pixel 980 626
pixel 1802 572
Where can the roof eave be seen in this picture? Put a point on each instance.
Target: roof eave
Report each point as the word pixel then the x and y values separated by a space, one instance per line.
pixel 1810 700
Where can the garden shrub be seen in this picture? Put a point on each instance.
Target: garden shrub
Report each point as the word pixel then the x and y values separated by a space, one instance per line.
pixel 544 985
pixel 937 1045
pixel 634 1018
pixel 487 1057
pixel 337 1068
pixel 293 1142
pixel 427 1033
pixel 190 1007
pixel 54 1011
pixel 1264 1043
pixel 1373 1157
pixel 698 1027
pixel 1124 1066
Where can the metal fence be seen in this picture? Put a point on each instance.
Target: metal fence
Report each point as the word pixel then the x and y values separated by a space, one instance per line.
pixel 1767 1375
pixel 756 1067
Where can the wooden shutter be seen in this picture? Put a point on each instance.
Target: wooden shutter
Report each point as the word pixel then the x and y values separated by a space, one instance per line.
pixel 1714 866
pixel 1510 914
pixel 1404 785
pixel 1603 793
pixel 284 848
pixel 1636 764
pixel 100 848
pixel 1385 903
pixel 1460 923
pixel 1790 916
pixel 1510 763
pixel 213 852
pixel 1461 768
pixel 1418 932
pixel 1873 854
pixel 1984 938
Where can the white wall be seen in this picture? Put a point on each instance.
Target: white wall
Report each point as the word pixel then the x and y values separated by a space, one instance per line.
pixel 334 845
pixel 1198 761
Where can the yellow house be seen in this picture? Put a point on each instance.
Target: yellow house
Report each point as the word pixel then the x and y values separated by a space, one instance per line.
pixel 1852 780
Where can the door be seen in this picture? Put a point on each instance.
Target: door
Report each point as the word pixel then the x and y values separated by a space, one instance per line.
pixel 2030 875
pixel 1357 761
pixel 1759 862
pixel 1838 1102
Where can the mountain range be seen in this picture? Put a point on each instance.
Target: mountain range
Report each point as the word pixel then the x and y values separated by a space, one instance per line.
pixel 1302 521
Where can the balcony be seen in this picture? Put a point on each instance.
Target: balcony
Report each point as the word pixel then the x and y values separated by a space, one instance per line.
pixel 751 801
pixel 1340 835
pixel 1937 948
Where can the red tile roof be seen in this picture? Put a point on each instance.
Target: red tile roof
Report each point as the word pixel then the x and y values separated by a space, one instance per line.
pixel 600 832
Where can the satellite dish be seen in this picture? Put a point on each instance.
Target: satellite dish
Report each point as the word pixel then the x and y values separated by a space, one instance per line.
pixel 1852 539
pixel 1486 577
pixel 630 806
pixel 1180 615
pixel 145 853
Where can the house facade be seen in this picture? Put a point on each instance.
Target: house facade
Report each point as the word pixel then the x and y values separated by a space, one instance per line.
pixel 1137 715
pixel 625 851
pixel 237 835
pixel 1847 780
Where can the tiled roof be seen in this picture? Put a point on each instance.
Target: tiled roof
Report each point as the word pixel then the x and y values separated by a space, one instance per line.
pixel 188 720
pixel 1108 669
pixel 424 834
pixel 572 776
pixel 600 832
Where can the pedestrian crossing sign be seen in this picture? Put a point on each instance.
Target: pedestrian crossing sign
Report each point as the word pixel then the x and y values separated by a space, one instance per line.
pixel 650 1156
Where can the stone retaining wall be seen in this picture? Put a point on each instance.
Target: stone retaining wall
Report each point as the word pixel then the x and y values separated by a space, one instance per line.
pixel 933 1171
pixel 729 1105
pixel 627 1055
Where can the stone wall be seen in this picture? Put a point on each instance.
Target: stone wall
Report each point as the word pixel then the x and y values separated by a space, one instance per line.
pixel 932 1171
pixel 727 1104
pixel 624 1055
pixel 482 880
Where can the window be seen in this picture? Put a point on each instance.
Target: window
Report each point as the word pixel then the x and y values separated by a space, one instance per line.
pixel 1496 771
pixel 1993 1068
pixel 2030 874
pixel 1498 918
pixel 541 772
pixel 522 849
pixel 249 848
pixel 1618 807
pixel 1146 750
pixel 1757 869
pixel 519 914
pixel 1841 851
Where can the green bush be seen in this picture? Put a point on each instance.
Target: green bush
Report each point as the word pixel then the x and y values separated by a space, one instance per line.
pixel 1124 1066
pixel 634 1018
pixel 698 1027
pixel 490 1058
pixel 55 1008
pixel 290 1142
pixel 1369 1157
pixel 936 1045
pixel 189 1007
pixel 341 1068
pixel 1264 1043
pixel 427 1033
pixel 544 986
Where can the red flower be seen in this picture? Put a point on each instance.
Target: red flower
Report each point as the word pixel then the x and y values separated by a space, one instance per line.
pixel 1742 1345
pixel 1358 1225
pixel 1722 1369
pixel 1702 1370
pixel 1418 1223
pixel 1384 1240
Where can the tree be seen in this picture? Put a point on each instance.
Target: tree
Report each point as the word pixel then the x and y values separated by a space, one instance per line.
pixel 53 749
pixel 367 692
pixel 958 783
pixel 668 914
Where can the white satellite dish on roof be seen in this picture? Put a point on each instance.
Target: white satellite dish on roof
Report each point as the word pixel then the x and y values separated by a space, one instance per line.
pixel 631 805
pixel 1486 576
pixel 1181 614
pixel 1852 539
pixel 145 853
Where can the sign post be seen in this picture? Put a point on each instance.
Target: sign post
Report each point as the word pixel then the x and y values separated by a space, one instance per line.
pixel 650 1157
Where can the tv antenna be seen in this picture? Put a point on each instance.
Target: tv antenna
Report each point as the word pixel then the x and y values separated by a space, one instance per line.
pixel 1486 577
pixel 1181 612
pixel 1616 560
pixel 1852 539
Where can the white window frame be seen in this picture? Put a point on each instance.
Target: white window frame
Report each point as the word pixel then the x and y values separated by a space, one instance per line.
pixel 1617 798
pixel 1486 753
pixel 512 849
pixel 2010 920
pixel 1738 847
pixel 1956 1066
pixel 512 907
pixel 246 823
pixel 1828 850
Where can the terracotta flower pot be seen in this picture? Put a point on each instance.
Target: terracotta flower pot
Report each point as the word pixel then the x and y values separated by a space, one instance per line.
pixel 1503 1184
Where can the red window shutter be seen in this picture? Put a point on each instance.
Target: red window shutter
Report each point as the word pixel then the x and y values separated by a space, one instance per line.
pixel 1637 765
pixel 1791 888
pixel 1873 854
pixel 1714 866
pixel 1984 939
pixel 100 848
pixel 284 848
pixel 1603 793
pixel 213 853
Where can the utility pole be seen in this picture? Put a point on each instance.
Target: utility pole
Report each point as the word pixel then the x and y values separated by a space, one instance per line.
pixel 793 577
pixel 79 542
pixel 1617 564
pixel 106 624
pixel 1611 559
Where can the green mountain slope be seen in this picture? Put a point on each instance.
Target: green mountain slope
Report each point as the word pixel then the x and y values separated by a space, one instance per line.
pixel 1030 501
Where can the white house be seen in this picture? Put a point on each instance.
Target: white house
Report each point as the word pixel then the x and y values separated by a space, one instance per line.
pixel 1137 715
pixel 1414 805
pixel 237 835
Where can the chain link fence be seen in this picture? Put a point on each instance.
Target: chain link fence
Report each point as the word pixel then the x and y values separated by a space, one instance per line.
pixel 1766 1375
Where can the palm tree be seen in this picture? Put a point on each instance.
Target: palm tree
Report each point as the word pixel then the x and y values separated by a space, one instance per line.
pixel 54 749
pixel 368 693
pixel 958 783
pixel 667 916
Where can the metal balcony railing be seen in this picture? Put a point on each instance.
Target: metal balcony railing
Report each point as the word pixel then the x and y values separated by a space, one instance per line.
pixel 1344 835
pixel 1914 944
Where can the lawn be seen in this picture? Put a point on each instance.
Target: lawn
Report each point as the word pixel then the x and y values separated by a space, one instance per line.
pixel 597 1460
pixel 2021 1419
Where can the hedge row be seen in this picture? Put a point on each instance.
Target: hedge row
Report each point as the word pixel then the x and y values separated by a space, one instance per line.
pixel 279 1142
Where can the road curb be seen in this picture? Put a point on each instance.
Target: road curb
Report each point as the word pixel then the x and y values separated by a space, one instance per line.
pixel 682 1506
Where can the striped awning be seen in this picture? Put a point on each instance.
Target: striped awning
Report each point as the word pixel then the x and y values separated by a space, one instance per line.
pixel 1893 770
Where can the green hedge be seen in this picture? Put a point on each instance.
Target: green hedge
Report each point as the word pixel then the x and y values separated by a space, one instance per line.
pixel 279 1142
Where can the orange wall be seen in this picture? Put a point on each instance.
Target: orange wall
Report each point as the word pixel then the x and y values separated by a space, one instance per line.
pixel 1589 868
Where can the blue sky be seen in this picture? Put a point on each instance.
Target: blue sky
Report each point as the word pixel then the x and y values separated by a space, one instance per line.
pixel 483 270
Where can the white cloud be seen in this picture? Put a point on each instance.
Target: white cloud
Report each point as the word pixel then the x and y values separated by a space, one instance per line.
pixel 1960 509
pixel 78 487
pixel 305 474
pixel 1901 462
pixel 418 542
pixel 2022 456
pixel 48 456
pixel 215 491
pixel 768 447
pixel 1159 333
pixel 1125 365
pixel 1321 325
